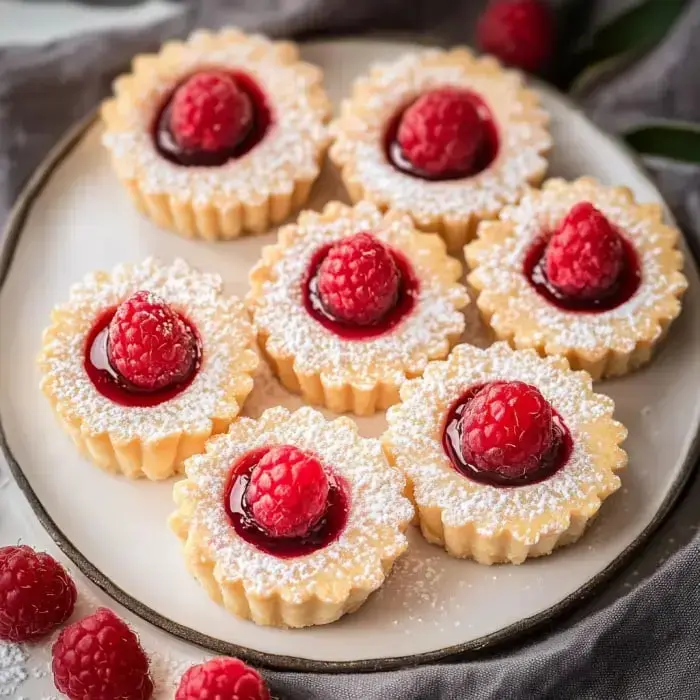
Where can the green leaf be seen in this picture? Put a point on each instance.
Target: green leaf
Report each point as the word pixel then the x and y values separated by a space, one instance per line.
pixel 630 33
pixel 638 29
pixel 598 71
pixel 678 141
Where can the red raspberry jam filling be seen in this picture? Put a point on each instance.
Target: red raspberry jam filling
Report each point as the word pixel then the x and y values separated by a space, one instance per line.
pixel 585 265
pixel 143 354
pixel 505 434
pixel 359 288
pixel 212 117
pixel 446 134
pixel 282 486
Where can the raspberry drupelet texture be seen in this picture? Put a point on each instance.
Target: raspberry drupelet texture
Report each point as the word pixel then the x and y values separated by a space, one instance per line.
pixel 585 256
pixel 358 280
pixel 210 113
pixel 222 679
pixel 100 658
pixel 507 428
pixel 149 345
pixel 518 32
pixel 441 133
pixel 287 492
pixel 36 594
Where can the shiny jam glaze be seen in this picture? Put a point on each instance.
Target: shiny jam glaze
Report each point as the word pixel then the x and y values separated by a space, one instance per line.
pixel 489 148
pixel 627 284
pixel 552 462
pixel 168 147
pixel 324 532
pixel 409 288
pixel 111 384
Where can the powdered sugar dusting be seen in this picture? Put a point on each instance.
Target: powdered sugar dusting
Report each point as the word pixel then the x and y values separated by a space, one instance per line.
pixel 378 515
pixel 279 313
pixel 13 669
pixel 289 152
pixel 499 262
pixel 222 324
pixel 523 138
pixel 529 512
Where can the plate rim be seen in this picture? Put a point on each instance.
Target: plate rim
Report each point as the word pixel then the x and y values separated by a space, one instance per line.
pixel 9 241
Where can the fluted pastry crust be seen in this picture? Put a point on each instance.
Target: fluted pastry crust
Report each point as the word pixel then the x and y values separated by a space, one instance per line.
pixel 317 588
pixel 247 194
pixel 153 441
pixel 606 343
pixel 350 375
pixel 495 524
pixel 453 207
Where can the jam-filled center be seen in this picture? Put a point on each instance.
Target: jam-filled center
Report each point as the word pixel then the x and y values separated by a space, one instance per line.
pixel 505 434
pixel 212 117
pixel 586 264
pixel 445 134
pixel 273 501
pixel 142 353
pixel 359 288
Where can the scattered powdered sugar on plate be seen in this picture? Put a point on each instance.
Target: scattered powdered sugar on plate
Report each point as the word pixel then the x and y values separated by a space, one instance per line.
pixel 523 138
pixel 13 669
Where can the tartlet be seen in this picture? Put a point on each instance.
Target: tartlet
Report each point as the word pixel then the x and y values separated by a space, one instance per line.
pixel 484 484
pixel 608 331
pixel 134 430
pixel 315 575
pixel 419 102
pixel 354 364
pixel 167 130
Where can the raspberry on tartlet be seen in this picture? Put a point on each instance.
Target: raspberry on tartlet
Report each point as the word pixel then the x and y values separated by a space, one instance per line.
pixel 209 112
pixel 442 133
pixel 538 454
pixel 350 301
pixel 358 280
pixel 507 428
pixel 144 363
pixel 287 492
pixel 585 254
pixel 447 137
pixel 218 135
pixel 149 343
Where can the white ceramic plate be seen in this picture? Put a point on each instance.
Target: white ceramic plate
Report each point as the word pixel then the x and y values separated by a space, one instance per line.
pixel 75 218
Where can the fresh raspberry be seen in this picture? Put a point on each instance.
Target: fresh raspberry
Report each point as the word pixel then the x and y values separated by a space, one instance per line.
pixel 36 594
pixel 222 679
pixel 441 133
pixel 584 257
pixel 507 428
pixel 518 32
pixel 149 344
pixel 210 113
pixel 100 658
pixel 358 280
pixel 287 492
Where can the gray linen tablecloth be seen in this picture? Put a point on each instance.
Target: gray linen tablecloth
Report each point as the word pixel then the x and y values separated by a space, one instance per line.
pixel 640 638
